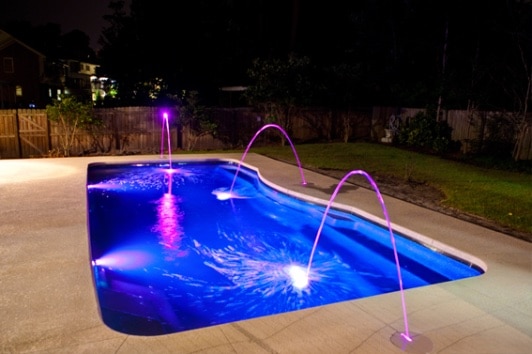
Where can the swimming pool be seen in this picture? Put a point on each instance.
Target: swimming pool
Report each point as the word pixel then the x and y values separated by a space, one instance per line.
pixel 169 255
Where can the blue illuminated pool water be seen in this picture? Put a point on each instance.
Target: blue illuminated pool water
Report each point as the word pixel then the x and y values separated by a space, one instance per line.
pixel 169 257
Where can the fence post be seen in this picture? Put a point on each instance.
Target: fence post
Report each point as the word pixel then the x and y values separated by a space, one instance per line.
pixel 48 133
pixel 17 128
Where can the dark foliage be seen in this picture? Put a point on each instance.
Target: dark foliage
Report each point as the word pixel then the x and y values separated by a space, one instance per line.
pixel 405 53
pixel 425 133
pixel 369 52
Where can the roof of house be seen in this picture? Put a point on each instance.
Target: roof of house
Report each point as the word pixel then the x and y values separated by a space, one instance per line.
pixel 7 39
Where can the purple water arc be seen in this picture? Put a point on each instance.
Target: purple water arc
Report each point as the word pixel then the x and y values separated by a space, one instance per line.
pixel 303 181
pixel 405 335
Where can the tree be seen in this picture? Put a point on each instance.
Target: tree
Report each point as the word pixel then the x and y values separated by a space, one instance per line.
pixel 76 45
pixel 70 115
pixel 412 53
pixel 345 89
pixel 195 118
pixel 523 42
pixel 280 87
pixel 526 96
pixel 119 54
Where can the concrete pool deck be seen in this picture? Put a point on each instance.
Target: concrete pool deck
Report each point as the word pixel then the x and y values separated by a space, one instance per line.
pixel 48 303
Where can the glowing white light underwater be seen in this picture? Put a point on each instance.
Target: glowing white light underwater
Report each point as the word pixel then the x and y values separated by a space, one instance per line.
pixel 139 179
pixel 225 194
pixel 298 275
pixel 104 186
pixel 124 259
pixel 222 195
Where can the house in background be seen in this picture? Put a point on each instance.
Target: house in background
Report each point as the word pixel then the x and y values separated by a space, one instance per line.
pixel 21 74
pixel 29 80
pixel 77 78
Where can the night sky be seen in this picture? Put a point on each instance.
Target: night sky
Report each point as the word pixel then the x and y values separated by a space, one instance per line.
pixel 83 15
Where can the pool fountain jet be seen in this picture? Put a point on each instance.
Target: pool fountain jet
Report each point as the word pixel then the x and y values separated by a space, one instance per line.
pixel 169 171
pixel 166 126
pixel 300 277
pixel 404 340
pixel 303 181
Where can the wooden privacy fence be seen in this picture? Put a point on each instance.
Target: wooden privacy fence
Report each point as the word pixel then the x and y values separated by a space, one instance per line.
pixel 135 129
pixel 471 128
pixel 28 133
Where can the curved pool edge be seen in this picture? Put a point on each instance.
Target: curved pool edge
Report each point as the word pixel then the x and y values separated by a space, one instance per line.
pixel 428 242
pixel 408 233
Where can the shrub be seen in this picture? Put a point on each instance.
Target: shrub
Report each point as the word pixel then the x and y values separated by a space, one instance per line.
pixel 71 116
pixel 425 133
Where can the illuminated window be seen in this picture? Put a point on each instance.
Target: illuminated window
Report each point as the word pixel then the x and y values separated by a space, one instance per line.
pixel 9 66
pixel 18 90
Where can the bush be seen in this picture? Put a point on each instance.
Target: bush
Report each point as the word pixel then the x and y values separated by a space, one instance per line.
pixel 425 133
pixel 70 115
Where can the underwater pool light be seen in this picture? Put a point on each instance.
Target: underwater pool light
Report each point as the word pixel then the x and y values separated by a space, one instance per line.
pixel 299 276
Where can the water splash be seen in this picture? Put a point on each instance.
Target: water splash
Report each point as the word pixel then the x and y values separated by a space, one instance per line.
pixel 250 263
pixel 406 334
pixel 303 181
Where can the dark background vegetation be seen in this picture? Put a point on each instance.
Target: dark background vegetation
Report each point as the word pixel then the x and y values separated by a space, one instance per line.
pixel 362 53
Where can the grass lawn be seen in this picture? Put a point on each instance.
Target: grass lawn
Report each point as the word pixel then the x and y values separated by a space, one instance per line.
pixel 500 196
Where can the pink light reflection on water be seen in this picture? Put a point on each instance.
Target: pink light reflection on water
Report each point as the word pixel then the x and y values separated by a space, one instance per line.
pixel 169 227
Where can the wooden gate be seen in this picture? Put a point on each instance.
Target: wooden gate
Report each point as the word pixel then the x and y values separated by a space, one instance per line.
pixel 24 133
